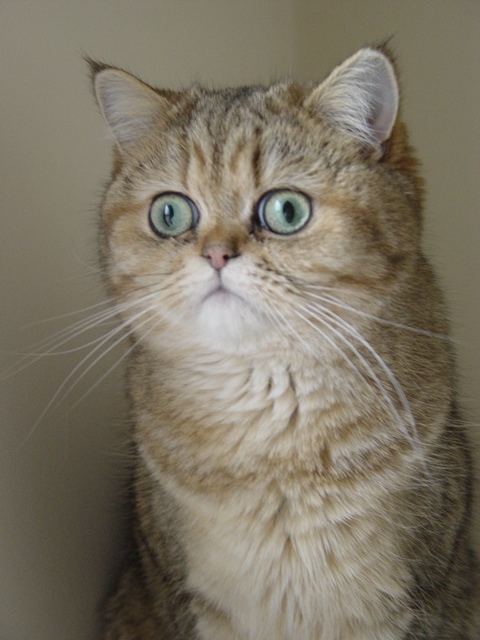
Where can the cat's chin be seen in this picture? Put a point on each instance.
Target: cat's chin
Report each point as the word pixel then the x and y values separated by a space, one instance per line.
pixel 226 320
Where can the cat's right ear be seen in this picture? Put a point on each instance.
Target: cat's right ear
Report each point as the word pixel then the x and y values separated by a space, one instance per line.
pixel 360 96
pixel 130 107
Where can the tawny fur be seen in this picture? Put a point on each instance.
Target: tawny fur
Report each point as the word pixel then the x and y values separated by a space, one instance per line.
pixel 301 471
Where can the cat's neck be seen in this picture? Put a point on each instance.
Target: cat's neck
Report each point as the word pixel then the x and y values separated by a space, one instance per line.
pixel 213 421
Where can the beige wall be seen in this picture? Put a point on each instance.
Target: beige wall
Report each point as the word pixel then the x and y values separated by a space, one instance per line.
pixel 60 525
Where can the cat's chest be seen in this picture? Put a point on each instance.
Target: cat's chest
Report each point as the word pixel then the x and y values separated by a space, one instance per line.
pixel 298 557
pixel 272 524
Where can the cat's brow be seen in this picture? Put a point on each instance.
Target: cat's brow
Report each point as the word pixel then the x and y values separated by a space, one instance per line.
pixel 199 155
pixel 256 159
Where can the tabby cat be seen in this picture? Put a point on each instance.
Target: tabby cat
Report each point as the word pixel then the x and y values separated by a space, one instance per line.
pixel 301 471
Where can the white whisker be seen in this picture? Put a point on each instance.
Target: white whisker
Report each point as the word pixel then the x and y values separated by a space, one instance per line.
pixel 125 328
pixel 69 314
pixel 357 335
pixel 281 322
pixel 327 318
pixel 161 315
pixel 116 363
pixel 61 398
pixel 330 341
pixel 328 297
pixel 51 346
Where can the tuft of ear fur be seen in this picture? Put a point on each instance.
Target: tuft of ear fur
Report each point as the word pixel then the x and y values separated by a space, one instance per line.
pixel 360 96
pixel 129 106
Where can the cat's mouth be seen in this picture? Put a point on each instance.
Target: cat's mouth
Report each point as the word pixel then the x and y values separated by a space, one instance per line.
pixel 221 293
pixel 224 314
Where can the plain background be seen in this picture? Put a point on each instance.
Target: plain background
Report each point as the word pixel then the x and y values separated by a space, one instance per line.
pixel 61 473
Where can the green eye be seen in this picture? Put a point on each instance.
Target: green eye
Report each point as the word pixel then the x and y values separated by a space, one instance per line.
pixel 284 212
pixel 172 214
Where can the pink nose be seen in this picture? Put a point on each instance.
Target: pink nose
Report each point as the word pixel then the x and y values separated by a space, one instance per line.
pixel 218 255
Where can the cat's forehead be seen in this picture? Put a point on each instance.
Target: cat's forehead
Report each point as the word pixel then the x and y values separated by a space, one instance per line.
pixel 236 144
pixel 251 134
pixel 224 115
pixel 254 103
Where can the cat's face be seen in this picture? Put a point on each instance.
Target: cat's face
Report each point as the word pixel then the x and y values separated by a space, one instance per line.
pixel 228 208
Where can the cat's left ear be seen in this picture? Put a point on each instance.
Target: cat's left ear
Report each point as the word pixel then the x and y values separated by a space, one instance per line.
pixel 360 96
pixel 130 107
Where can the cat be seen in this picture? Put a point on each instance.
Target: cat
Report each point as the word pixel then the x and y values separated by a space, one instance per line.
pixel 301 470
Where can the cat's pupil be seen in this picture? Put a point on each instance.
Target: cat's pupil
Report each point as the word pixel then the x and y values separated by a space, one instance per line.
pixel 168 213
pixel 288 211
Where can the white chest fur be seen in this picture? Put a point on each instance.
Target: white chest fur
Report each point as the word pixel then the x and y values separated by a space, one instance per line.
pixel 290 554
pixel 277 568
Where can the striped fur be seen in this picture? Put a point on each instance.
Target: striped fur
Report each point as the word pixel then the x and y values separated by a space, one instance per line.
pixel 301 470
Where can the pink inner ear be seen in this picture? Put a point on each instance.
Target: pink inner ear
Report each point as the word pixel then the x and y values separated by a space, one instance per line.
pixel 360 96
pixel 129 106
pixel 384 109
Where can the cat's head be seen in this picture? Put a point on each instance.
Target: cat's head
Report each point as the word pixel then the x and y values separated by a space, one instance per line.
pixel 228 208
